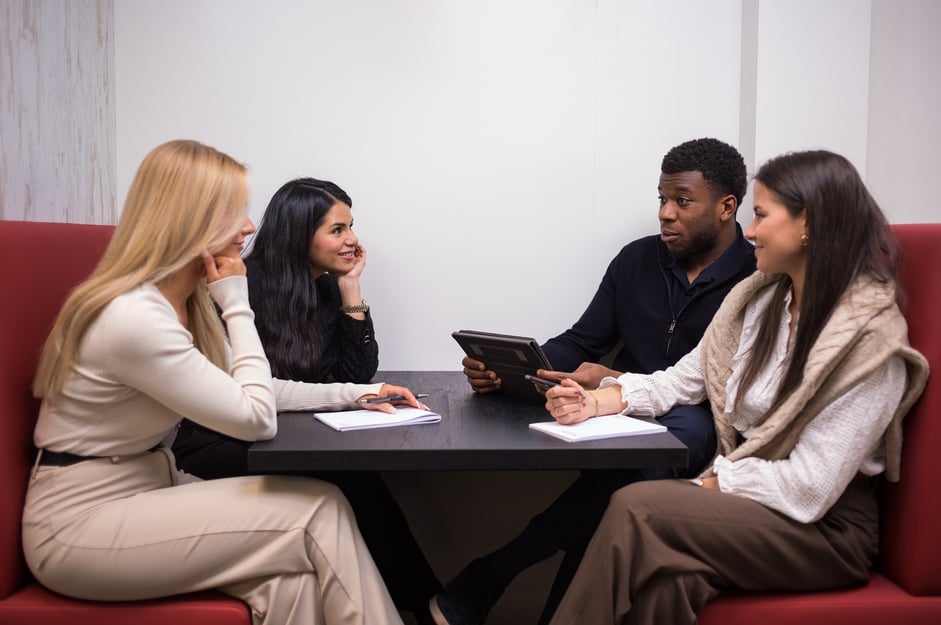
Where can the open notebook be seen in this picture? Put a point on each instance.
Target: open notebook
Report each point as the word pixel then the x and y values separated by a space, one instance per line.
pixel 347 420
pixel 606 426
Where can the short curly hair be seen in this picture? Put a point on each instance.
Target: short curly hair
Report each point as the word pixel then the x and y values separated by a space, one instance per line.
pixel 720 164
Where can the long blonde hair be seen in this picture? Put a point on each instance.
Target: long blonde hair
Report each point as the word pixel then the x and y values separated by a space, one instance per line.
pixel 185 198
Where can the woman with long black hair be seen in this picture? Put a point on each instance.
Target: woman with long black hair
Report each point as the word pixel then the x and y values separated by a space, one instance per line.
pixel 808 370
pixel 304 269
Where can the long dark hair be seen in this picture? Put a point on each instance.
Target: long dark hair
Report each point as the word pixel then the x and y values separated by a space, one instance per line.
pixel 848 236
pixel 284 294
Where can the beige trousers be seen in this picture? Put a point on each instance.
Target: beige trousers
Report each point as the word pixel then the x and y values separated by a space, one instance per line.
pixel 131 528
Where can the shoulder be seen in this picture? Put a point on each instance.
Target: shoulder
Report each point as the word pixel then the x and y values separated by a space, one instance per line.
pixel 745 252
pixel 645 249
pixel 145 300
pixel 748 291
pixel 870 306
pixel 138 321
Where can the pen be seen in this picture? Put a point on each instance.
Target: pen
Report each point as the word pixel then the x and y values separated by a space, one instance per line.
pixel 381 400
pixel 544 383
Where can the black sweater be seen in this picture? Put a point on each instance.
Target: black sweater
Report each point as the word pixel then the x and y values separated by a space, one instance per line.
pixel 634 305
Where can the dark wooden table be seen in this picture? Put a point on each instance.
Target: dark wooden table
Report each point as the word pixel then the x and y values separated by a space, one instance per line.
pixel 476 432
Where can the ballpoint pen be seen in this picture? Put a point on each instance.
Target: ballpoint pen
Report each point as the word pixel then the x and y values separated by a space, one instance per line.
pixel 380 400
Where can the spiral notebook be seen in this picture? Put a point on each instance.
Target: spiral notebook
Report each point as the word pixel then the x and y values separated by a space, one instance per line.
pixel 349 420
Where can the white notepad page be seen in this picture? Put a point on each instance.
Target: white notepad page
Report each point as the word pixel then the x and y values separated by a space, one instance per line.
pixel 606 426
pixel 347 420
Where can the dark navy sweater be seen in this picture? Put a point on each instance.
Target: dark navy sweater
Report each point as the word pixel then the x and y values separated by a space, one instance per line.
pixel 645 302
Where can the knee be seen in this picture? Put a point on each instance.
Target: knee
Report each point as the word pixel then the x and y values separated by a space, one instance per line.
pixel 651 498
pixel 319 493
pixel 328 492
pixel 626 499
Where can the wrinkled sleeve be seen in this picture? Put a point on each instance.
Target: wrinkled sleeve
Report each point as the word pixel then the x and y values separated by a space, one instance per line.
pixel 239 402
pixel 359 352
pixel 594 334
pixel 831 450
pixel 655 394
pixel 291 395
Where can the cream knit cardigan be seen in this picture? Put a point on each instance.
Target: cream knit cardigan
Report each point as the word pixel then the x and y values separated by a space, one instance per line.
pixel 865 329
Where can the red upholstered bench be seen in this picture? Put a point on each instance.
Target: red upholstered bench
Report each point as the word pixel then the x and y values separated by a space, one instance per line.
pixel 906 585
pixel 39 264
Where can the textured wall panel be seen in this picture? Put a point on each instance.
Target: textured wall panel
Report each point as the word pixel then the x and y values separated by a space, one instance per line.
pixel 57 119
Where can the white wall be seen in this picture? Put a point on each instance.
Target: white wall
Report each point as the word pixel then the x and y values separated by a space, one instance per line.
pixel 904 156
pixel 813 78
pixel 500 152
pixel 490 147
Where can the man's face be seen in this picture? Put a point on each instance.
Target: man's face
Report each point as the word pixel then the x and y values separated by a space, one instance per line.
pixel 689 214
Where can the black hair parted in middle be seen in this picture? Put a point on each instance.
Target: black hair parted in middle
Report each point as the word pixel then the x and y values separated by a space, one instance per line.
pixel 719 163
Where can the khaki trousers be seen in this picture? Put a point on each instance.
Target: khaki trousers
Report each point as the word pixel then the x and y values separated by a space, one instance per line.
pixel 127 529
pixel 664 548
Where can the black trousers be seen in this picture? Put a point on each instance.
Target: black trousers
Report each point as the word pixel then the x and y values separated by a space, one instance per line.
pixel 385 530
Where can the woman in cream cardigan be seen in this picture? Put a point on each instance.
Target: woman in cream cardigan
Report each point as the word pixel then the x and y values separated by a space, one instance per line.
pixel 139 346
pixel 809 372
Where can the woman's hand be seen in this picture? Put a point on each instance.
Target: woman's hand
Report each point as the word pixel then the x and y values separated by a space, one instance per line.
pixel 404 397
pixel 567 403
pixel 223 266
pixel 712 483
pixel 348 283
pixel 588 374
pixel 359 262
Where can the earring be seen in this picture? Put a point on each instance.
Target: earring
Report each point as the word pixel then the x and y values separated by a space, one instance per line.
pixel 804 240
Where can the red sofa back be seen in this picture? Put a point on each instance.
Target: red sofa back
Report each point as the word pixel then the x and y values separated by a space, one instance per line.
pixel 39 264
pixel 35 281
pixel 911 509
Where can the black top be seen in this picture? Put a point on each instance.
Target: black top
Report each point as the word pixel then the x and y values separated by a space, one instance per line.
pixel 646 302
pixel 349 353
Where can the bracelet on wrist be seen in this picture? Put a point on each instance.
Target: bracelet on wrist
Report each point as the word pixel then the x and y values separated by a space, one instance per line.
pixel 357 308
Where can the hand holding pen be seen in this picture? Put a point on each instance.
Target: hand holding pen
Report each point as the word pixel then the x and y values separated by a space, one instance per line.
pixel 389 397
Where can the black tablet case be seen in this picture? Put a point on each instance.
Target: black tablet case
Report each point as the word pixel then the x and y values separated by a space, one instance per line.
pixel 510 357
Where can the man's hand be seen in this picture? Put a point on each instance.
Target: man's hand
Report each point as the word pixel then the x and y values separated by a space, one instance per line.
pixel 588 374
pixel 481 380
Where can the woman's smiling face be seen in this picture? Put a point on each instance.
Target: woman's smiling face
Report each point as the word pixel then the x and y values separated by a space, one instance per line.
pixel 333 247
pixel 777 235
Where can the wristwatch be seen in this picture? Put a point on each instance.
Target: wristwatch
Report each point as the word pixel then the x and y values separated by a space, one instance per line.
pixel 364 307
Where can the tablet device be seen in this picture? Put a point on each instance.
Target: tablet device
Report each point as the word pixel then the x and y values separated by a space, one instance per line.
pixel 510 357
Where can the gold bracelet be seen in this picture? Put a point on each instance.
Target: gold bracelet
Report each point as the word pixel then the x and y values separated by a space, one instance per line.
pixel 595 399
pixel 358 308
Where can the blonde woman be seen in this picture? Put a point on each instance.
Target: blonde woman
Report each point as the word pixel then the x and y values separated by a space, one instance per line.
pixel 139 346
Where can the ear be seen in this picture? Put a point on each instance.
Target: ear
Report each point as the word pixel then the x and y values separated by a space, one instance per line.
pixel 727 207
